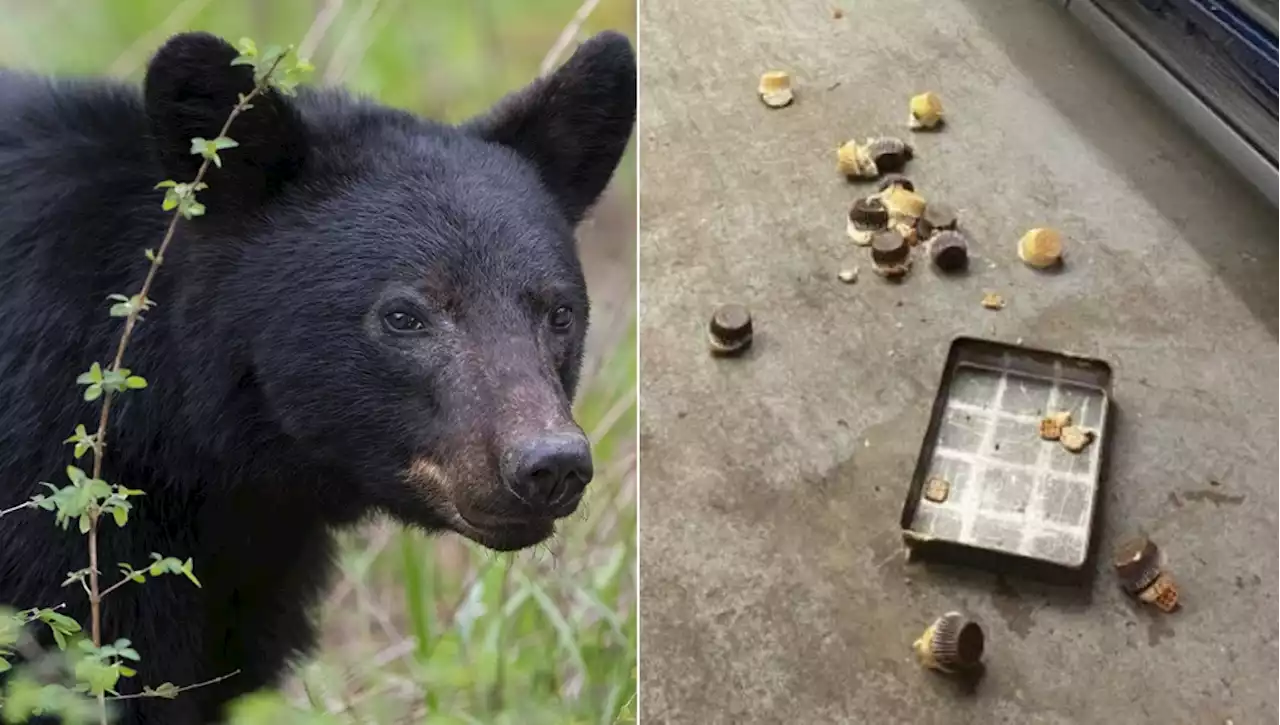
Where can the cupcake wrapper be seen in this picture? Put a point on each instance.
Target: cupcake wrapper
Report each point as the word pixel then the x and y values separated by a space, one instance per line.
pixel 1162 592
pixel 955 644
pixel 951 643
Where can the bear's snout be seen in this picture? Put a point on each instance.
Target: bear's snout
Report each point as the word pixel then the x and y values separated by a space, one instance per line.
pixel 549 473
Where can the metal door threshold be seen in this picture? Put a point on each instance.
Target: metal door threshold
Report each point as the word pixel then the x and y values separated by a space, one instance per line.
pixel 1213 64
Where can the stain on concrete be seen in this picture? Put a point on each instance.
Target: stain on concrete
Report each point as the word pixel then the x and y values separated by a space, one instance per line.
pixel 1013 608
pixel 1217 498
pixel 1252 581
pixel 1158 629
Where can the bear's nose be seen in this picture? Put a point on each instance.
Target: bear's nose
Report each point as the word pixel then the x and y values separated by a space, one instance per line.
pixel 551 472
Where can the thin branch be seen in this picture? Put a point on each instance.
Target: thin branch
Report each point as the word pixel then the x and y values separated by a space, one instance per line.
pixel 19 507
pixel 175 692
pixel 567 35
pixel 100 437
pixel 99 444
pixel 114 587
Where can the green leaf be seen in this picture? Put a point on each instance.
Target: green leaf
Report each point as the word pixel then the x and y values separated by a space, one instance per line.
pixel 92 393
pixel 76 475
pixel 94 375
pixel 97 676
pixel 222 142
pixel 85 523
pixel 187 571
pixel 170 202
pixel 166 184
pixel 246 46
pixel 135 382
pixel 167 690
pixel 59 621
pixel 121 309
pixel 150 254
pixel 126 671
pixel 98 488
pixel 121 516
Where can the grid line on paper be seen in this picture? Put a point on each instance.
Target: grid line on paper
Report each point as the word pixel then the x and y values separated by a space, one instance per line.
pixel 988 463
pixel 971 501
pixel 1041 470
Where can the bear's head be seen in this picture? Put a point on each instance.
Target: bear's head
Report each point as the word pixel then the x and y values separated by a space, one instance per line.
pixel 399 299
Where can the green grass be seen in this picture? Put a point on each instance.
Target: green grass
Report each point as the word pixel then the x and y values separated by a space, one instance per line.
pixel 433 629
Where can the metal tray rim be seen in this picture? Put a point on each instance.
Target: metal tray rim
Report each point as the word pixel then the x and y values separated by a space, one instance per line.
pixel 911 505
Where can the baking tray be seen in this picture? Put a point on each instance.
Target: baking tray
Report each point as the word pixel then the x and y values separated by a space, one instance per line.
pixel 1015 501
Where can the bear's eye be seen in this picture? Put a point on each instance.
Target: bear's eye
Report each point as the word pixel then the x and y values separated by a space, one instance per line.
pixel 402 322
pixel 561 318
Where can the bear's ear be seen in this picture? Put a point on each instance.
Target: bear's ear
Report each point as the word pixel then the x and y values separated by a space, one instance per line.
pixel 573 124
pixel 191 88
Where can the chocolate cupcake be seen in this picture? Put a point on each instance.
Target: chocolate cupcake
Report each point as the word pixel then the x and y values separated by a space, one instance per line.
pixel 890 254
pixel 949 251
pixel 889 154
pixel 731 331
pixel 866 217
pixel 891 180
pixel 1137 563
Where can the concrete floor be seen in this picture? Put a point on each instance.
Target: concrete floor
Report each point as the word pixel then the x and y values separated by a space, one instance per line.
pixel 773 589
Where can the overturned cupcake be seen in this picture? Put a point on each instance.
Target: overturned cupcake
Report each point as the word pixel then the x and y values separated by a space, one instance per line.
pixel 953 643
pixel 926 112
pixel 888 153
pixel 1041 248
pixel 903 205
pixel 866 217
pixel 775 89
pixel 853 161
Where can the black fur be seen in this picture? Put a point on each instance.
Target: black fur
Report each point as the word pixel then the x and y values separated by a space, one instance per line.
pixel 280 407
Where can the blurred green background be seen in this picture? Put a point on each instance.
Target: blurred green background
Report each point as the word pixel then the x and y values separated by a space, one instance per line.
pixel 424 629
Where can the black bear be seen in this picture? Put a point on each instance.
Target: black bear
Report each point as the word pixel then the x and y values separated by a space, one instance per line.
pixel 377 313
